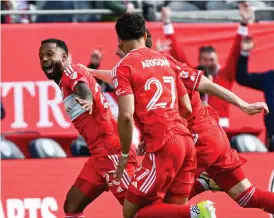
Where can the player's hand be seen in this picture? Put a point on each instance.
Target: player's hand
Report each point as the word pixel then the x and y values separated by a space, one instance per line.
pixel 247 44
pixel 120 168
pixel 165 14
pixel 256 108
pixel 86 105
pixel 130 8
pixel 141 148
pixel 96 56
pixel 163 46
pixel 246 12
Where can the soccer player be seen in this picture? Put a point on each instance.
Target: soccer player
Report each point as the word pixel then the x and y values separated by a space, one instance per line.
pixel 208 58
pixel 146 88
pixel 94 122
pixel 212 145
pixel 215 156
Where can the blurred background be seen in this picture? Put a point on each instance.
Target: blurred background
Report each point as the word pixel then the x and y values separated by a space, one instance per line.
pixel 41 152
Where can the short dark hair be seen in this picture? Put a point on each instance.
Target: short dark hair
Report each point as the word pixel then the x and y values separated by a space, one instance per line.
pixel 58 42
pixel 149 39
pixel 130 26
pixel 207 48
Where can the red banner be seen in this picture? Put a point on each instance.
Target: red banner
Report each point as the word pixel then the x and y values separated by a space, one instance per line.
pixel 34 104
pixel 40 190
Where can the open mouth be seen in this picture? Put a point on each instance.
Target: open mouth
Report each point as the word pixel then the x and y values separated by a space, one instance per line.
pixel 48 68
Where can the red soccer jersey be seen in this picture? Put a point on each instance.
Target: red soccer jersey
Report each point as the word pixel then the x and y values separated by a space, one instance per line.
pixel 98 129
pixel 147 75
pixel 203 117
pixel 226 74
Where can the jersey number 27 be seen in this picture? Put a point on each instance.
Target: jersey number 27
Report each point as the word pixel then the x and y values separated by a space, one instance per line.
pixel 154 102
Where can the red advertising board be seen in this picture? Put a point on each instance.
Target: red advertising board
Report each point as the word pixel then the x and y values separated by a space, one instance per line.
pixel 34 104
pixel 37 188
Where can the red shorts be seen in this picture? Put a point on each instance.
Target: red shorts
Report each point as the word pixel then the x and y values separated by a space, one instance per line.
pixel 97 176
pixel 169 170
pixel 214 154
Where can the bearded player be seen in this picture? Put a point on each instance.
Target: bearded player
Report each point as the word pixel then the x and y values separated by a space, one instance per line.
pixel 213 148
pixel 94 122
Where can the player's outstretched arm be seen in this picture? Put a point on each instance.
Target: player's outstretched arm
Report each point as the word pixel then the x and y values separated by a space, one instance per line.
pixel 86 100
pixel 207 86
pixel 104 75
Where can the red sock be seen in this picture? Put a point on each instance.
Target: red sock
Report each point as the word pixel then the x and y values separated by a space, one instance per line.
pixel 256 198
pixel 74 215
pixel 197 188
pixel 162 210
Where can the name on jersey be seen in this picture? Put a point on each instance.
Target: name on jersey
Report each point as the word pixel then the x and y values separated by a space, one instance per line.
pixel 155 62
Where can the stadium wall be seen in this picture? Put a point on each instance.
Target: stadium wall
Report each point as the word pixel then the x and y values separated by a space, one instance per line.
pixel 36 189
pixel 34 104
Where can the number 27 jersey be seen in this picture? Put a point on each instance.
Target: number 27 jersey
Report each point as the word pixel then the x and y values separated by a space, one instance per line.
pixel 147 75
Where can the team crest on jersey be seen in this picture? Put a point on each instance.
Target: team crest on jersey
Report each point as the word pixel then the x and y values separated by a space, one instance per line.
pixel 184 74
pixel 71 73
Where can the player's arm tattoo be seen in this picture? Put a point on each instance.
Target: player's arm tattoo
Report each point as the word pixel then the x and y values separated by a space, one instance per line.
pixel 82 90
pixel 125 121
pixel 208 87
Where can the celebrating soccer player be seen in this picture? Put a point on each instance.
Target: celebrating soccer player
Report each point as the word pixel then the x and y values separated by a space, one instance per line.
pixel 94 121
pixel 146 86
pixel 213 148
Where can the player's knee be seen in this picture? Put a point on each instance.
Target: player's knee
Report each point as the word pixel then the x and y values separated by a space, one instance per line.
pixel 71 207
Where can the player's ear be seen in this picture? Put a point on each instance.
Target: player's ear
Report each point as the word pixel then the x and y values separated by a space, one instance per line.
pixel 64 57
pixel 145 36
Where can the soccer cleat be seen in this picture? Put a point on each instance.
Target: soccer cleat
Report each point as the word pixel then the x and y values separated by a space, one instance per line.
pixel 207 209
pixel 208 183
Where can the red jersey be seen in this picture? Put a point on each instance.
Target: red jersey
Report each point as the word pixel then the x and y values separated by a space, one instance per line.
pixel 147 75
pixel 98 129
pixel 225 75
pixel 203 117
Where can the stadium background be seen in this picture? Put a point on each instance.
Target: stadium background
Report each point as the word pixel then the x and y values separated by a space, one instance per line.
pixel 37 187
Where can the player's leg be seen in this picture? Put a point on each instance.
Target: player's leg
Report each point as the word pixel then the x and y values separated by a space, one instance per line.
pixel 182 184
pixel 238 186
pixel 77 201
pixel 164 210
pixel 87 187
pixel 208 151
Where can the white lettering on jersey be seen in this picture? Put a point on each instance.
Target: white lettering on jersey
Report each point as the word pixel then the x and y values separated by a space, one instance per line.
pixel 155 62
pixel 73 109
